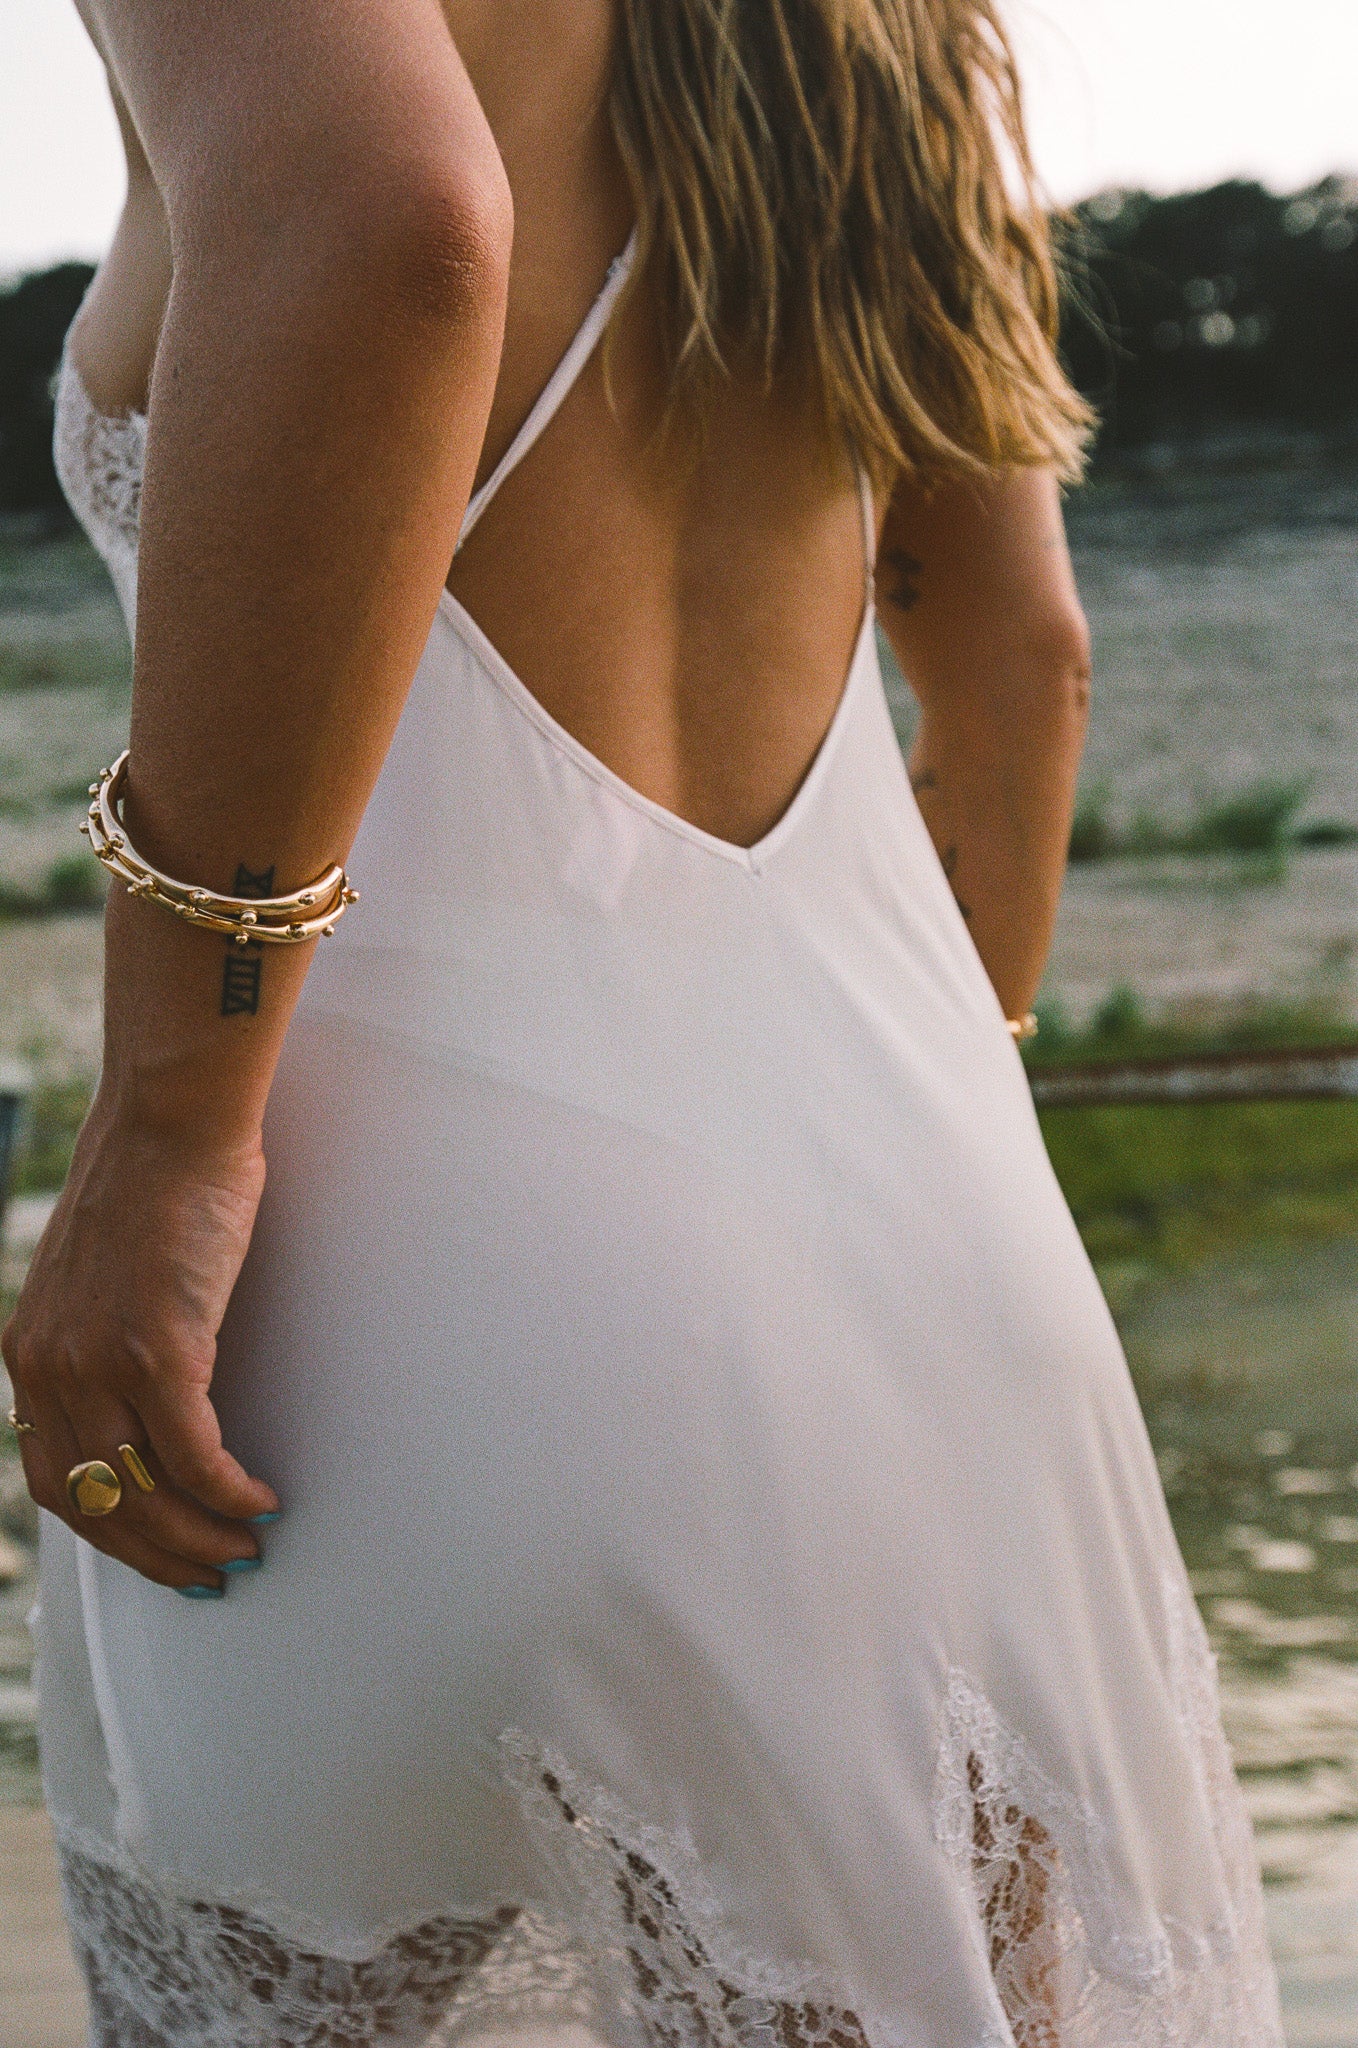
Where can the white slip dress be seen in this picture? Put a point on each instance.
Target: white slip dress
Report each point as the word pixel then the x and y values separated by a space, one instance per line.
pixel 725 1597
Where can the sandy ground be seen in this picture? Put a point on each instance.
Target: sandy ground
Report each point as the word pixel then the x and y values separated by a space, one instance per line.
pixel 41 2001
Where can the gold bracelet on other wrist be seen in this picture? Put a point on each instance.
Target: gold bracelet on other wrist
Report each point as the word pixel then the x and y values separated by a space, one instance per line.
pixel 307 913
pixel 1021 1029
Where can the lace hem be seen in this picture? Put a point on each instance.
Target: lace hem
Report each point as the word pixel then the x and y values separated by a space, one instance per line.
pixel 1035 1860
pixel 653 1927
pixel 634 1936
pixel 167 1972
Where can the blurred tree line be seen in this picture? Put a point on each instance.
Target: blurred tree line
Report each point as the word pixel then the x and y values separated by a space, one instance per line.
pixel 1216 314
pixel 1222 313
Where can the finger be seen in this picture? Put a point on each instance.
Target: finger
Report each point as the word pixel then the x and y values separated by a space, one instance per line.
pixel 164 1516
pixel 48 1456
pixel 113 1536
pixel 50 1452
pixel 53 1450
pixel 185 1434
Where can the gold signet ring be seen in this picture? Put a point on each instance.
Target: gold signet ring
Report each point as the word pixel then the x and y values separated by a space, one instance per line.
pixel 93 1488
pixel 131 1457
pixel 20 1428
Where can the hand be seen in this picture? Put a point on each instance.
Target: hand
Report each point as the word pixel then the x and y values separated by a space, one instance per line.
pixel 114 1341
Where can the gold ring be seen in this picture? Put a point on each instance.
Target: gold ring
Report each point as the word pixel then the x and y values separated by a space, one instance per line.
pixel 93 1488
pixel 20 1428
pixel 131 1457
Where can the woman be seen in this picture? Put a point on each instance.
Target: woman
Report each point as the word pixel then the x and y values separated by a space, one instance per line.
pixel 717 1588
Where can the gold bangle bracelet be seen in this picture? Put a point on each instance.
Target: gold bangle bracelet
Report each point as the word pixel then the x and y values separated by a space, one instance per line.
pixel 307 913
pixel 1021 1029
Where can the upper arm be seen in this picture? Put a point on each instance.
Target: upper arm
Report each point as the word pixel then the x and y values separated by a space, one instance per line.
pixel 976 577
pixel 138 170
pixel 248 115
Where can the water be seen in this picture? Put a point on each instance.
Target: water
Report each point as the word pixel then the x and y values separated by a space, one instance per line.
pixel 1248 1377
pixel 1224 609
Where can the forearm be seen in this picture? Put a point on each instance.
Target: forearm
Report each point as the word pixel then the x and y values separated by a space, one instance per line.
pixel 978 599
pixel 996 792
pixel 317 409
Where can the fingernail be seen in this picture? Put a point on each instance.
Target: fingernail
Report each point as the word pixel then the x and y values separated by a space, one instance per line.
pixel 241 1564
pixel 202 1592
pixel 272 1516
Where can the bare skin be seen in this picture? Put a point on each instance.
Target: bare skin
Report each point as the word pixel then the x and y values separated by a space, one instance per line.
pixel 312 289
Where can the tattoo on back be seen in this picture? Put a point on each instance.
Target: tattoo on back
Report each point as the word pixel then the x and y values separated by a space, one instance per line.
pixel 906 570
pixel 243 966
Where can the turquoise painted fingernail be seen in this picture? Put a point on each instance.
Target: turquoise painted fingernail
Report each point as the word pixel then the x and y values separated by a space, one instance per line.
pixel 272 1516
pixel 241 1564
pixel 202 1592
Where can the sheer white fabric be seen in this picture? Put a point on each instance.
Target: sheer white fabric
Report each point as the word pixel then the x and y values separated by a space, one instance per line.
pixel 724 1597
pixel 1065 1968
pixel 641 1952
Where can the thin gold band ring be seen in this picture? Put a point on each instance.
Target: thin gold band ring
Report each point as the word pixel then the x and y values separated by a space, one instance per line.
pixel 132 1458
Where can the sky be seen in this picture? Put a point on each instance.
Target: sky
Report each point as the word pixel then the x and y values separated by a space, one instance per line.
pixel 1165 94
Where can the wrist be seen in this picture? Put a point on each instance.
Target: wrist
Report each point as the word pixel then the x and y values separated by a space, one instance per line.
pixel 176 1111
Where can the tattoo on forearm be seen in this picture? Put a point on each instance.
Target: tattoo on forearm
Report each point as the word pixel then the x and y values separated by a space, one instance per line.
pixel 922 780
pixel 949 870
pixel 243 967
pixel 906 571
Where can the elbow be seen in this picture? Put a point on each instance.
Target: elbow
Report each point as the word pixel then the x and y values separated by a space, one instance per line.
pixel 444 253
pixel 1056 660
pixel 424 249
pixel 413 229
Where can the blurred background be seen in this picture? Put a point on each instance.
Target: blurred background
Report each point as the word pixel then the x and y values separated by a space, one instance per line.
pixel 1208 153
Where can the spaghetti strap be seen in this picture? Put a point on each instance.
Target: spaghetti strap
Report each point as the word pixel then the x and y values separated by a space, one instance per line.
pixel 557 385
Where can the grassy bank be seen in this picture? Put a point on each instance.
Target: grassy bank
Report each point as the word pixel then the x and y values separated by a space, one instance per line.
pixel 1169 1188
pixel 1174 1187
pixel 1264 817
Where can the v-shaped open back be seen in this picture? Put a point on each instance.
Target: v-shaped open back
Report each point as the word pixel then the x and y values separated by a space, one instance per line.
pixel 499 671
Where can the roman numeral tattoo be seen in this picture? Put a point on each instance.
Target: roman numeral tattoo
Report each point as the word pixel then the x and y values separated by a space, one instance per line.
pixel 243 967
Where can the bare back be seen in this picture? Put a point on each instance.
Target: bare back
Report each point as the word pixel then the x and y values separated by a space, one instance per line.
pixel 688 613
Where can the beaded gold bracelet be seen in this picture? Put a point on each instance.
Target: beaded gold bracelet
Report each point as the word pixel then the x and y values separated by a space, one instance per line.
pixel 307 913
pixel 1021 1029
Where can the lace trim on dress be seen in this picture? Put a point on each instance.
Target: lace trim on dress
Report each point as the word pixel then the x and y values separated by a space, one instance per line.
pixel 635 1931
pixel 99 460
pixel 652 1926
pixel 1035 1860
pixel 167 1972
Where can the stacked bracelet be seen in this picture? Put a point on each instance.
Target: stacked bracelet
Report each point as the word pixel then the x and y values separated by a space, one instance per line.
pixel 308 913
pixel 1021 1029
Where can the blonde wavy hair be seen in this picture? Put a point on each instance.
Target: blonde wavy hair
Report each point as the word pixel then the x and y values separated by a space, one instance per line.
pixel 843 189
